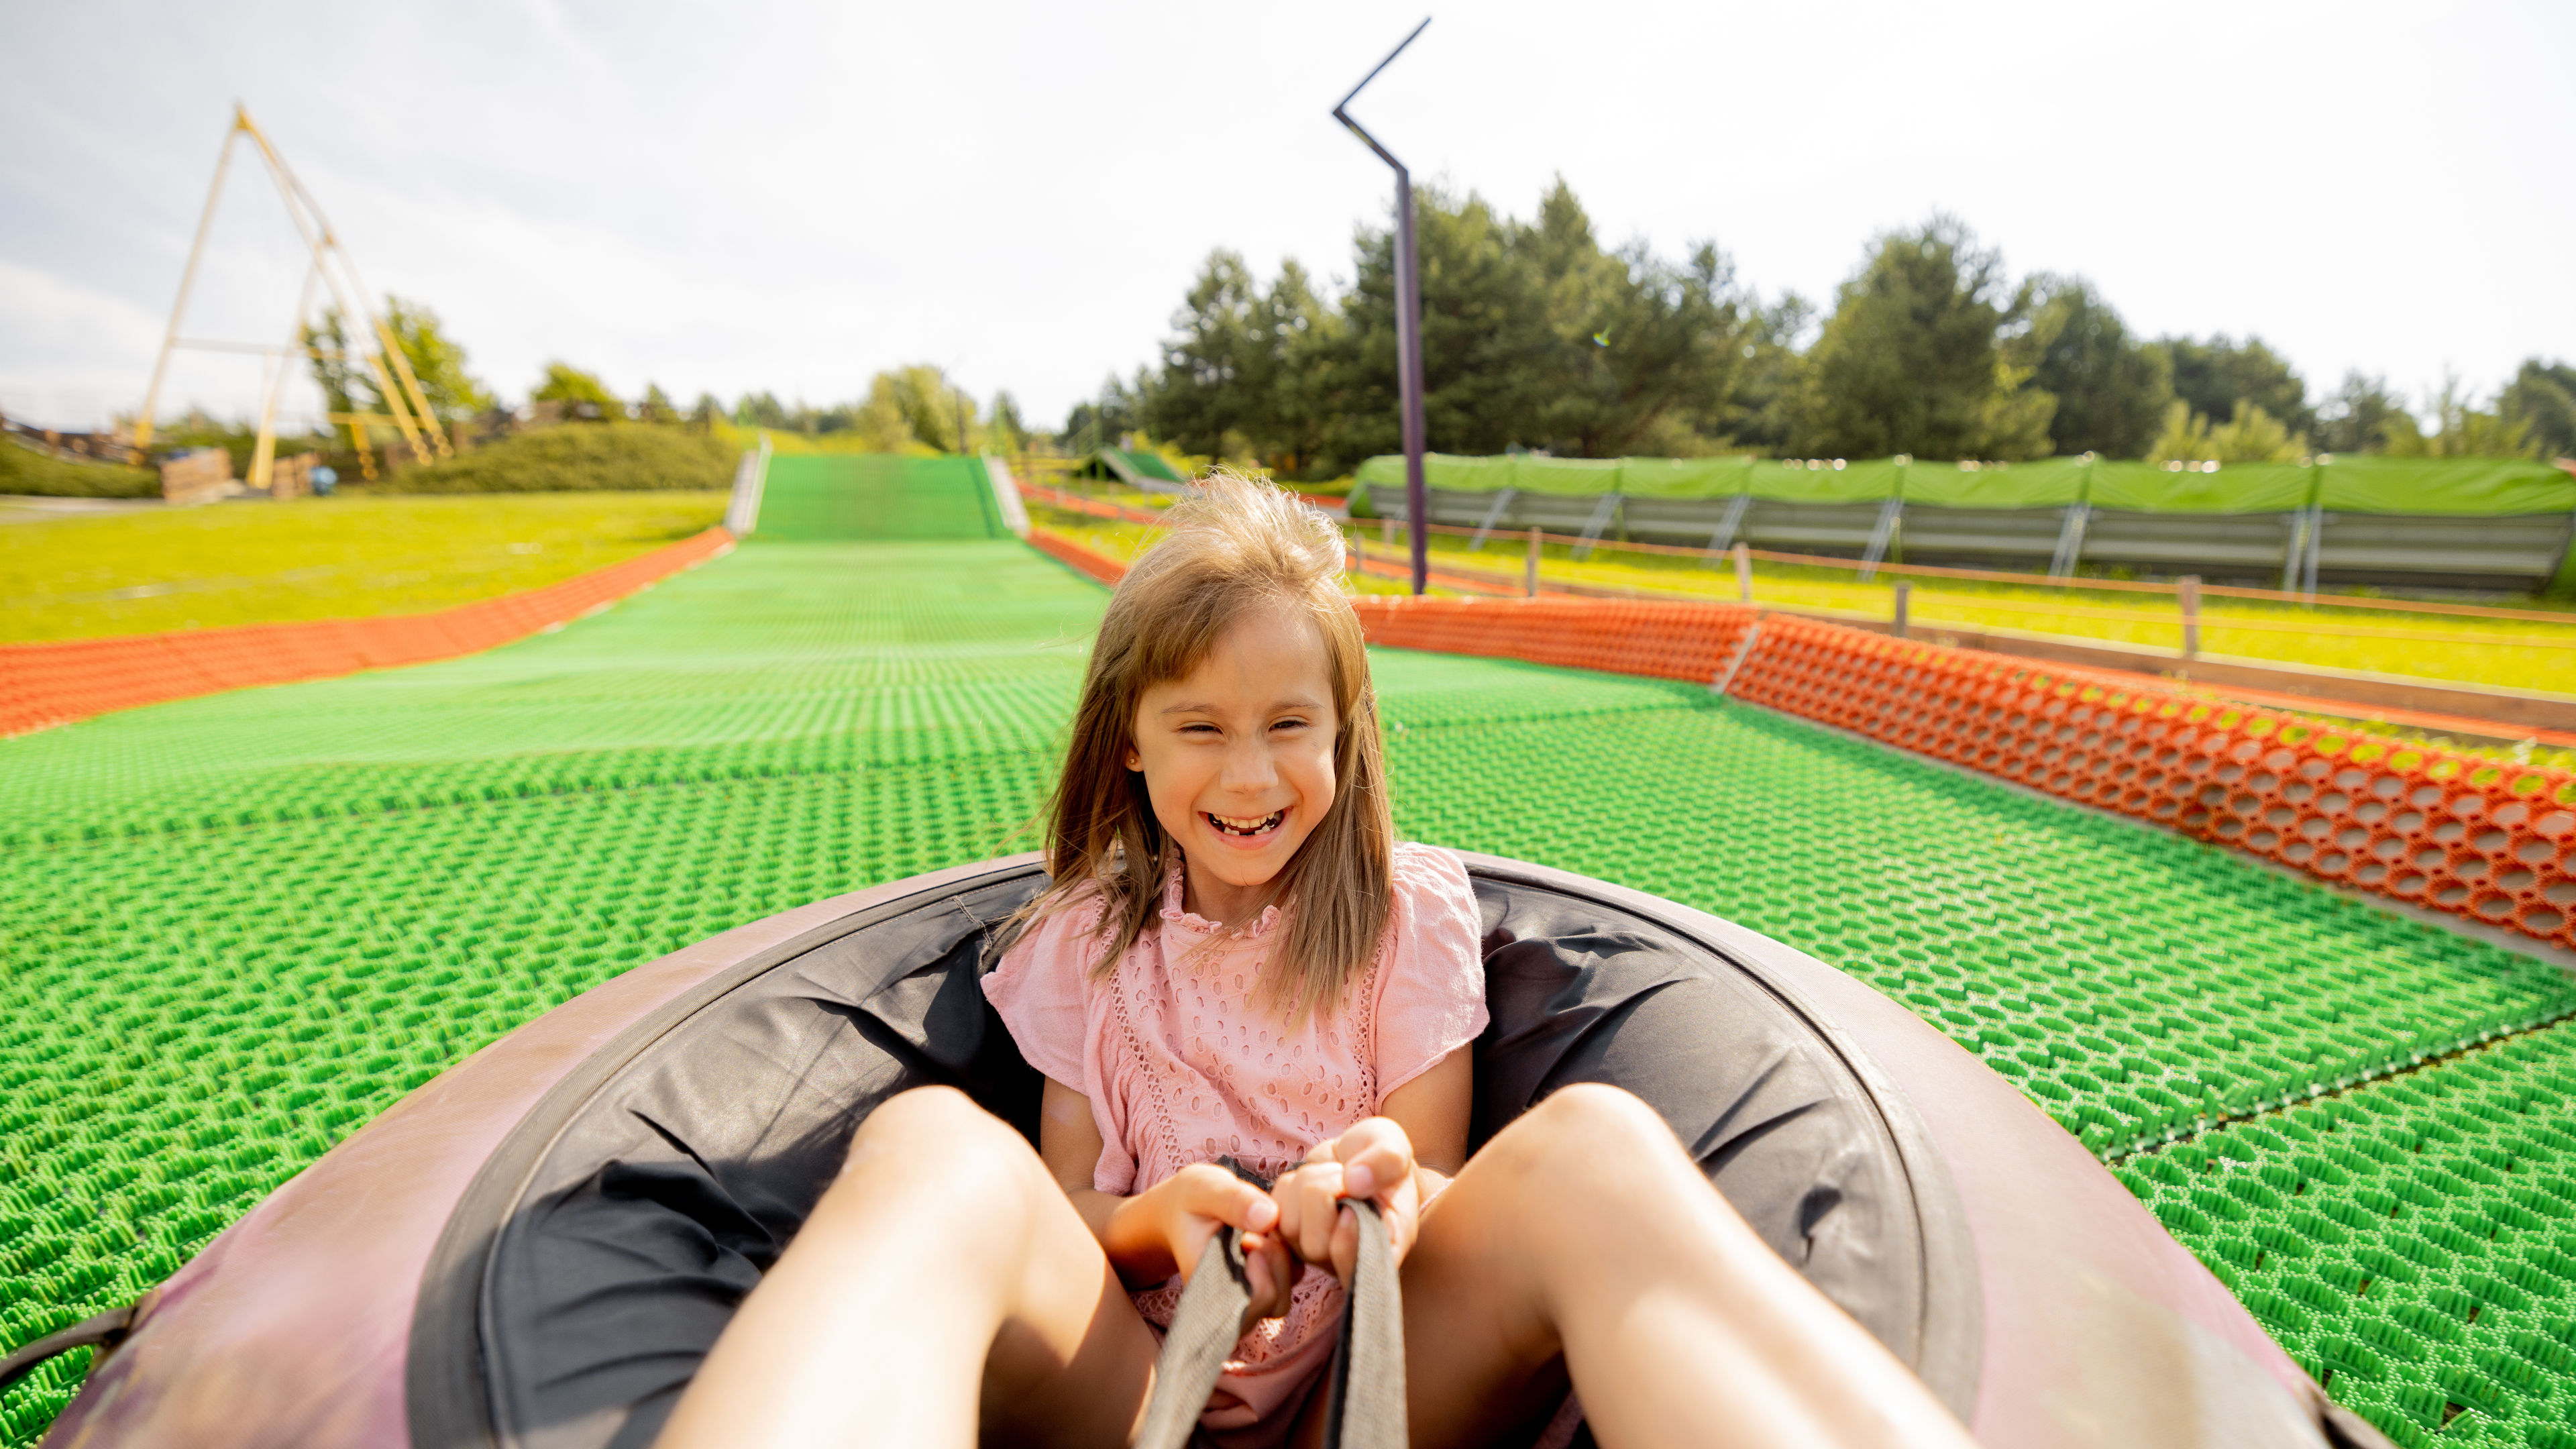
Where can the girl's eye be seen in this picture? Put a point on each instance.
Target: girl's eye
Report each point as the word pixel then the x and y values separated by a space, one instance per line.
pixel 1291 723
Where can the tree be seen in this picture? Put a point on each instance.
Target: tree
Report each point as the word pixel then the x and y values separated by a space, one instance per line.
pixel 2251 436
pixel 343 377
pixel 935 414
pixel 1227 367
pixel 437 362
pixel 1532 336
pixel 1006 432
pixel 2216 375
pixel 1478 322
pixel 2460 429
pixel 581 393
pixel 1644 351
pixel 1911 361
pixel 1766 407
pixel 348 380
pixel 656 406
pixel 1101 422
pixel 2356 419
pixel 2111 388
pixel 2542 397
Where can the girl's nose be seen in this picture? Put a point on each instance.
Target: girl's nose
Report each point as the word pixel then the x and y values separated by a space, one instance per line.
pixel 1248 767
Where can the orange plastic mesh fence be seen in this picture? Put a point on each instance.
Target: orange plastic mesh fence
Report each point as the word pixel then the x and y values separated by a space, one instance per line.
pixel 42 685
pixel 2482 838
pixel 2486 839
pixel 1083 560
pixel 1623 636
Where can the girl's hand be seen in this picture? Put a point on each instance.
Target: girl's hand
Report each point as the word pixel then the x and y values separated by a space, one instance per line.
pixel 1176 1217
pixel 1373 1160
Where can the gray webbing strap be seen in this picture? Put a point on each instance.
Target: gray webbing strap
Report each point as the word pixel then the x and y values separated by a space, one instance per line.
pixel 1204 1327
pixel 1368 1363
pixel 1367 1379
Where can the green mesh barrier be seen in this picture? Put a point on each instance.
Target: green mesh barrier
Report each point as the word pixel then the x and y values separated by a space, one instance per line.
pixel 2042 483
pixel 2234 488
pixel 823 496
pixel 234 929
pixel 2483 487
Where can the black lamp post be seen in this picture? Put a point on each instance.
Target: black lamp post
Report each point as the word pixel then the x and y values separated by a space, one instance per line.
pixel 1408 323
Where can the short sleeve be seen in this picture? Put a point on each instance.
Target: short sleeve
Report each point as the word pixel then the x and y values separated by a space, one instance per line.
pixel 1042 989
pixel 1431 991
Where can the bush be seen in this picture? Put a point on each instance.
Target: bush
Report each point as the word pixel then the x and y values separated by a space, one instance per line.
pixel 577 457
pixel 24 470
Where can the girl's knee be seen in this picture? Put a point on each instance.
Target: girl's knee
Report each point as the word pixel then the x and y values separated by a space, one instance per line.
pixel 943 1126
pixel 1589 1148
pixel 927 1110
pixel 1593 1118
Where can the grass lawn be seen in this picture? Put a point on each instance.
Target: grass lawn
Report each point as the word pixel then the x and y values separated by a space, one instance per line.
pixel 317 558
pixel 2409 644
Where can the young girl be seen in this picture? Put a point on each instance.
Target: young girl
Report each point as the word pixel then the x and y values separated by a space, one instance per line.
pixel 1237 959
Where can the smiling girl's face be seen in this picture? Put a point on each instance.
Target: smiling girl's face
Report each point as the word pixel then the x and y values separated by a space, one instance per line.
pixel 1238 758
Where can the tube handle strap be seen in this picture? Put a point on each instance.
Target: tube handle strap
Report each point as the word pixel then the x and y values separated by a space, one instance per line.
pixel 1367 1374
pixel 103 1332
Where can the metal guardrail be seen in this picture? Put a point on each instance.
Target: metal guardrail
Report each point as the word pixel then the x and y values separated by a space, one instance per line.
pixel 2302 548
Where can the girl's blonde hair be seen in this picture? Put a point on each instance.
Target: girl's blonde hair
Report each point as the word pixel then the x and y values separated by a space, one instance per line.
pixel 1236 546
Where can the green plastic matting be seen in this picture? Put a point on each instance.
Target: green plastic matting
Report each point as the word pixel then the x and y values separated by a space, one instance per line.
pixel 2413 1244
pixel 234 929
pixel 883 496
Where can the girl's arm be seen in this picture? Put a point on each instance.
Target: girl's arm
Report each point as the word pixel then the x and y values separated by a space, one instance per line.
pixel 1162 1230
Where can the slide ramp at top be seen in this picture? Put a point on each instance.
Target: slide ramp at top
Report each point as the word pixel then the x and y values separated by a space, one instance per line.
pixel 876 496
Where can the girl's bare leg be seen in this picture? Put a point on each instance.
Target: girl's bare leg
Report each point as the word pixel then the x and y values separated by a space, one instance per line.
pixel 943 1285
pixel 1584 1233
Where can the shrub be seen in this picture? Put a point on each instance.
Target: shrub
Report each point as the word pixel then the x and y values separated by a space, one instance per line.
pixel 576 458
pixel 24 470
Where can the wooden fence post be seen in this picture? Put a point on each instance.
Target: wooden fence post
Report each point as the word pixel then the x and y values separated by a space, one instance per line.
pixel 1744 573
pixel 2187 593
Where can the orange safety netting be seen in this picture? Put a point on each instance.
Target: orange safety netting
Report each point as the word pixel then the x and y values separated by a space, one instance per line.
pixel 2482 838
pixel 1084 560
pixel 1655 638
pixel 49 684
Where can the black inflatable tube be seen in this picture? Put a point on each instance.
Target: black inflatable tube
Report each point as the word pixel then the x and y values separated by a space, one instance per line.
pixel 2048 1307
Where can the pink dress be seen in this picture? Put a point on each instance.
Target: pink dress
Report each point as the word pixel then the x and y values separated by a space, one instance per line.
pixel 1182 1066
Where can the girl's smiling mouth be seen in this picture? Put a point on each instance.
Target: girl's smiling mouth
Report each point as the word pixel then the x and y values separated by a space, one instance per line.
pixel 1245 827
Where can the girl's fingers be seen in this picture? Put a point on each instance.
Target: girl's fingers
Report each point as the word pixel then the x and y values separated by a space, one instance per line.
pixel 1256 1273
pixel 1375 1156
pixel 1232 1201
pixel 1378 1169
pixel 1345 1246
pixel 1272 1273
pixel 1305 1199
pixel 1323 1205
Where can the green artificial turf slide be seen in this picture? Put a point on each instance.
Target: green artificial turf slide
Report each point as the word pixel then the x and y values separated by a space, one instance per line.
pixel 234 929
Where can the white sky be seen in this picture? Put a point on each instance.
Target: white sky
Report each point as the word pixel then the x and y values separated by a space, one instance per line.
pixel 784 196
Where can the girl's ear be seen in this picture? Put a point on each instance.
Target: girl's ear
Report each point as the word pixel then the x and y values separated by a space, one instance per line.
pixel 1135 761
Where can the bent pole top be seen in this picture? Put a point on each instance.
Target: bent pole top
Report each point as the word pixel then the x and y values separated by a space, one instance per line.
pixel 1408 322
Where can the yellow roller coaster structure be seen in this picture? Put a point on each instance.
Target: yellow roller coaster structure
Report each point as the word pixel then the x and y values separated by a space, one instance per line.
pixel 406 406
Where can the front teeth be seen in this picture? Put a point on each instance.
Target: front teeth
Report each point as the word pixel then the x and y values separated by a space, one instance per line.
pixel 1232 825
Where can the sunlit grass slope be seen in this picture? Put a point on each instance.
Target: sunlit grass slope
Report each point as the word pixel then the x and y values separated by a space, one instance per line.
pixel 322 558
